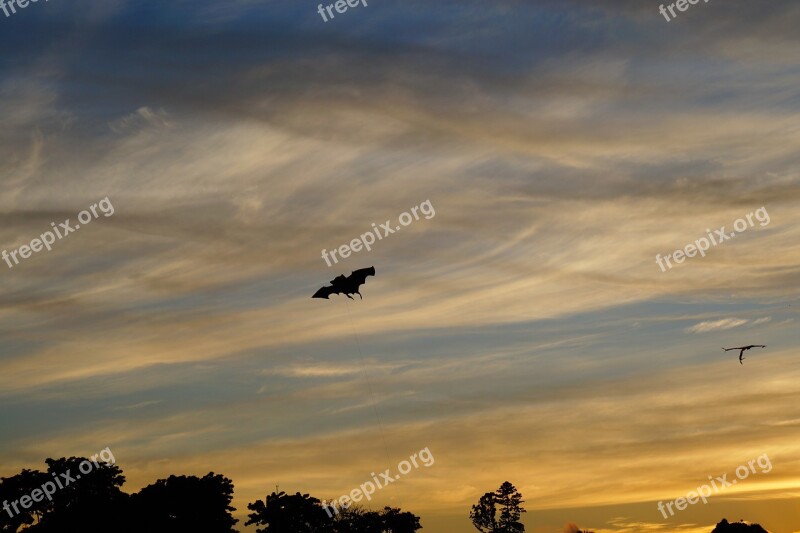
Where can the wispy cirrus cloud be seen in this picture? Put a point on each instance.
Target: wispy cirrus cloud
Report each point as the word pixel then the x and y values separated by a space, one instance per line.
pixel 140 119
pixel 714 325
pixel 725 323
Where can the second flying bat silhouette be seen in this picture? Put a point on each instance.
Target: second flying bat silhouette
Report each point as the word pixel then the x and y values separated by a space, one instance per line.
pixel 743 348
pixel 346 285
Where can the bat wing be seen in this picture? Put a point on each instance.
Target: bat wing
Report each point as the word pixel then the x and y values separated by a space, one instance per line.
pixel 324 292
pixel 358 277
pixel 346 285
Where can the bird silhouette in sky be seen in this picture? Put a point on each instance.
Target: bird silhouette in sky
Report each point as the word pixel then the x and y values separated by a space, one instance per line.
pixel 743 348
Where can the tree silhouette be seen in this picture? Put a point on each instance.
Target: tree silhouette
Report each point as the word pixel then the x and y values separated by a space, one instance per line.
pixel 12 489
pixel 483 514
pixel 90 500
pixel 301 513
pixel 281 513
pixel 737 527
pixel 509 500
pixel 395 521
pixel 355 519
pixel 185 503
pixel 86 502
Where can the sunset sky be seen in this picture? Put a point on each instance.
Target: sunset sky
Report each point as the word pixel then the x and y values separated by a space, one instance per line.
pixel 523 333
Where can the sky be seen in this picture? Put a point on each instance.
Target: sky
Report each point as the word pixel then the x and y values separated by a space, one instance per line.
pixel 524 332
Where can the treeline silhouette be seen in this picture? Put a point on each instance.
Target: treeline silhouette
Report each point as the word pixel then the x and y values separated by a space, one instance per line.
pixel 95 503
pixel 500 511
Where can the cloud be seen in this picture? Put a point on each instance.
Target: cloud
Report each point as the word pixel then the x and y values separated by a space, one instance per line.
pixel 143 117
pixel 722 324
pixel 563 149
pixel 628 525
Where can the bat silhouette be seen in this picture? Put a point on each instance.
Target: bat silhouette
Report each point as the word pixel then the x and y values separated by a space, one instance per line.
pixel 346 285
pixel 743 348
